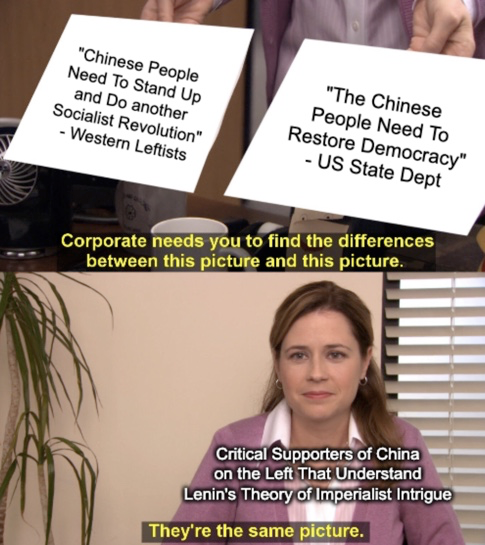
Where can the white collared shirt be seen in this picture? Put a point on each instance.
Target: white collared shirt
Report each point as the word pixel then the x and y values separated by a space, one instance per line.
pixel 277 429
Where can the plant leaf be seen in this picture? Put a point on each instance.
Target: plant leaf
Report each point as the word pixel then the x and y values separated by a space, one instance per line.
pixel 51 473
pixel 8 476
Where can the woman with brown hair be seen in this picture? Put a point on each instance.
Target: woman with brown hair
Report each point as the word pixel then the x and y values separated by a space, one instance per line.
pixel 325 449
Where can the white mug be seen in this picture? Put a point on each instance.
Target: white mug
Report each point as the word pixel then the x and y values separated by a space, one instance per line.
pixel 139 206
pixel 198 246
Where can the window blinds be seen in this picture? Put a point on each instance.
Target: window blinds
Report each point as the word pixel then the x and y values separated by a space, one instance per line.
pixel 435 378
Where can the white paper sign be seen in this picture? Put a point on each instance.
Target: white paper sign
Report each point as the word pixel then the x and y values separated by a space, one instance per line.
pixel 133 100
pixel 386 135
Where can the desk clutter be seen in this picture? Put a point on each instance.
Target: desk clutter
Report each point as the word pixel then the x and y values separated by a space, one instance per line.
pixel 35 206
pixel 39 205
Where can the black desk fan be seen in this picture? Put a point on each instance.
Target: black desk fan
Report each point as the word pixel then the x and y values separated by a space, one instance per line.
pixel 35 207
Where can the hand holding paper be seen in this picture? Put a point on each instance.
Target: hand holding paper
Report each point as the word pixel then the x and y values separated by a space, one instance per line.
pixel 442 26
pixel 145 109
pixel 177 11
pixel 350 132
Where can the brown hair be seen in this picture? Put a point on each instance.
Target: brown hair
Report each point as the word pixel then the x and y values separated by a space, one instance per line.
pixel 369 408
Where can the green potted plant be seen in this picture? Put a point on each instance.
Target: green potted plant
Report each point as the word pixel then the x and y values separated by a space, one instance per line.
pixel 36 322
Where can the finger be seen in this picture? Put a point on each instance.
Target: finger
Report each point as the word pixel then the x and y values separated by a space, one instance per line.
pixel 447 27
pixel 166 10
pixel 194 11
pixel 460 48
pixel 158 10
pixel 439 33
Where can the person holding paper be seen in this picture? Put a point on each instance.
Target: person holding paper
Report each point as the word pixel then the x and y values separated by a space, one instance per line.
pixel 324 418
pixel 436 26
pixel 452 27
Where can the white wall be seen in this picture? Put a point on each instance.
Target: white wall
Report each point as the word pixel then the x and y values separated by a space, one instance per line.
pixel 187 354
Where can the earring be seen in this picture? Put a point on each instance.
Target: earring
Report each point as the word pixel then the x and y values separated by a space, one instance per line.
pixel 278 384
pixel 363 381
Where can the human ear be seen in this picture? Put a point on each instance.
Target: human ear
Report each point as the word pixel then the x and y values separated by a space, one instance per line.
pixel 276 364
pixel 366 362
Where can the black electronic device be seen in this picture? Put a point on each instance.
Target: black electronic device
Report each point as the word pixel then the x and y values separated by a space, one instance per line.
pixel 35 204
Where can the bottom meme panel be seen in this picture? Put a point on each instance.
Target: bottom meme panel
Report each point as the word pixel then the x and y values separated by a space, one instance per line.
pixel 277 408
